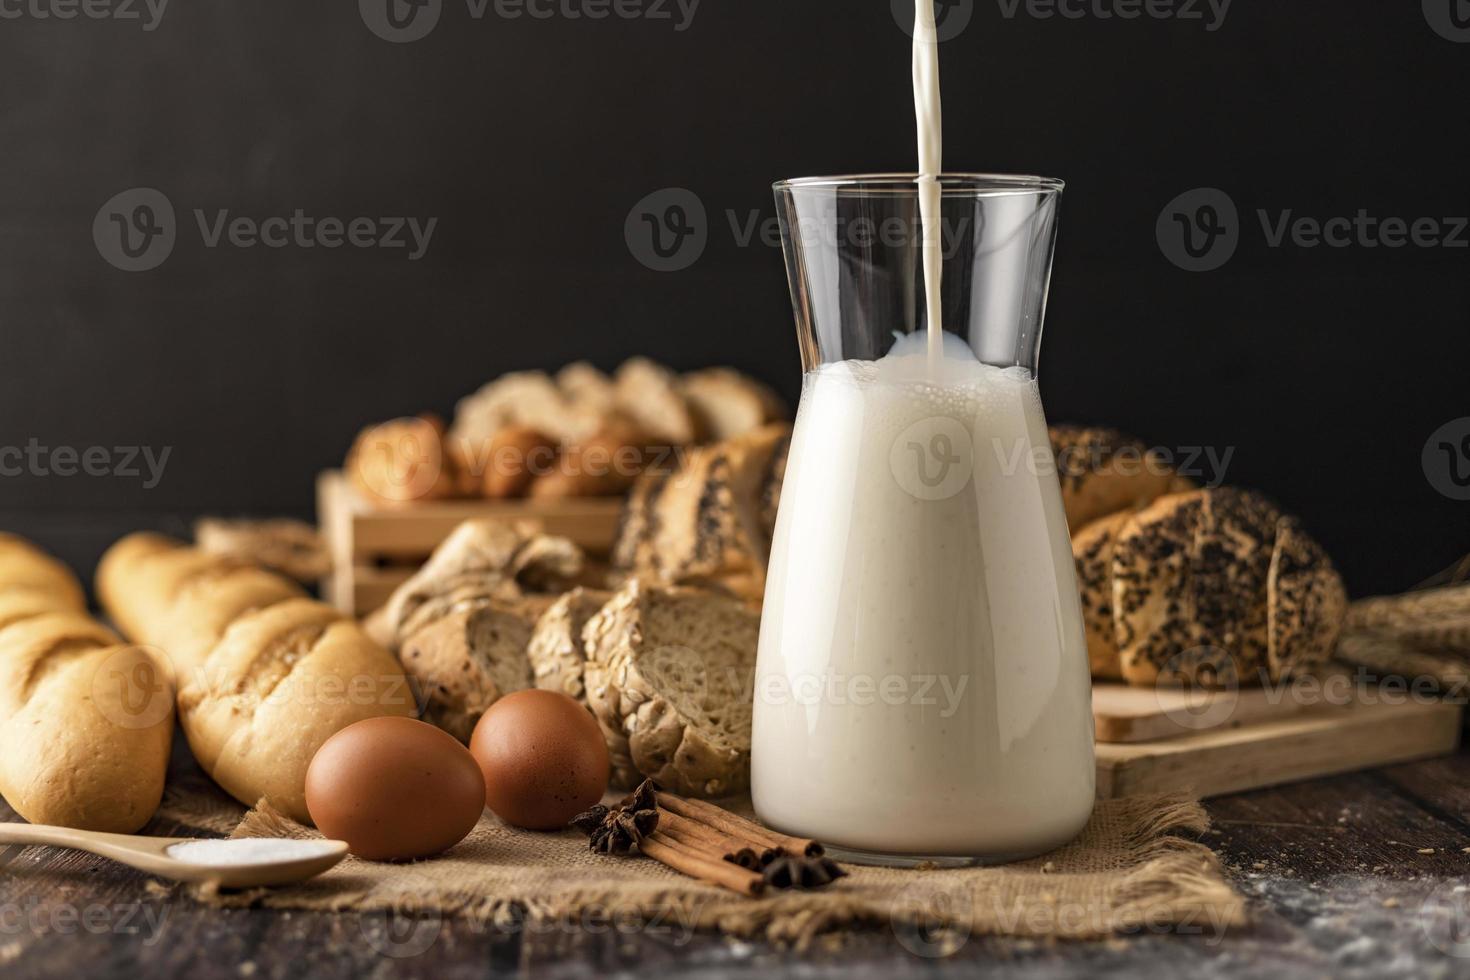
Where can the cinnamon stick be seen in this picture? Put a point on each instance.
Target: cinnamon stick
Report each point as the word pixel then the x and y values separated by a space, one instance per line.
pixel 709 837
pixel 687 860
pixel 736 826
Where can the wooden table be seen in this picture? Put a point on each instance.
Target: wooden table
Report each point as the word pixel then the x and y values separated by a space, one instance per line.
pixel 1338 872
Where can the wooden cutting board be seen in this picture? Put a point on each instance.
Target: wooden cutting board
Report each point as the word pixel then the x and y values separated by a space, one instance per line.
pixel 1122 713
pixel 1313 741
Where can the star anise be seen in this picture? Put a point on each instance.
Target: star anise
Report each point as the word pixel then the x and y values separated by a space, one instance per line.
pixel 617 830
pixel 745 858
pixel 782 869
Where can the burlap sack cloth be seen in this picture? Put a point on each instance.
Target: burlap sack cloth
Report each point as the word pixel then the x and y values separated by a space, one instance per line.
pixel 1133 868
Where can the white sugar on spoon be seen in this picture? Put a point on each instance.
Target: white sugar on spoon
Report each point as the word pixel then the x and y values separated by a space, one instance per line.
pixel 241 863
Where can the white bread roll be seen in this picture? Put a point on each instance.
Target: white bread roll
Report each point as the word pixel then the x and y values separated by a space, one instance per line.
pixel 86 722
pixel 266 675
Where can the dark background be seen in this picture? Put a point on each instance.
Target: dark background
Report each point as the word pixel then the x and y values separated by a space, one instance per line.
pixel 1327 369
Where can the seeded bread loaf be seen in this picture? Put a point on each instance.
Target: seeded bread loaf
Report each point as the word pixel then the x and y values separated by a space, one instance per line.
pixel 86 722
pixel 1103 471
pixel 265 675
pixel 1304 592
pixel 558 658
pixel 1093 549
pixel 669 678
pixel 704 524
pixel 772 482
pixel 1219 587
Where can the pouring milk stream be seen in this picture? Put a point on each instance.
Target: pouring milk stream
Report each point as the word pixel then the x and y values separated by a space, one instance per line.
pixel 929 115
pixel 922 685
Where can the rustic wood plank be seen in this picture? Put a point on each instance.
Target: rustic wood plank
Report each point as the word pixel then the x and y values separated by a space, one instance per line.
pixel 1122 713
pixel 1322 740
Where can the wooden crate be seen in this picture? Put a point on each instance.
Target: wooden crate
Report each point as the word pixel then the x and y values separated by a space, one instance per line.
pixel 375 549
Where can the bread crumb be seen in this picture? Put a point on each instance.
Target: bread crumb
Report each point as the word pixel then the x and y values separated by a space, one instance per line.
pixel 247 969
pixel 1390 903
pixel 1426 850
pixel 1259 865
pixel 1048 867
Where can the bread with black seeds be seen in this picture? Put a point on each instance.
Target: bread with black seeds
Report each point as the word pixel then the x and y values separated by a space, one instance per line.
pixel 1092 547
pixel 1218 587
pixel 1103 471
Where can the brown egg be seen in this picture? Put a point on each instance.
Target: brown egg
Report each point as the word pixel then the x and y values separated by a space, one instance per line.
pixel 543 757
pixel 394 789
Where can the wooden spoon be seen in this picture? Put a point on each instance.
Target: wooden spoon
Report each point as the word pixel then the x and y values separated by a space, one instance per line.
pixel 242 866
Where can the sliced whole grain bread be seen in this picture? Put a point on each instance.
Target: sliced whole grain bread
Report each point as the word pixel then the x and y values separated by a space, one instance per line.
pixel 465 661
pixel 669 678
pixel 558 659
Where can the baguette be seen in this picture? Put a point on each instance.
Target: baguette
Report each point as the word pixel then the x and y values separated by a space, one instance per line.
pixel 266 675
pixel 86 722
